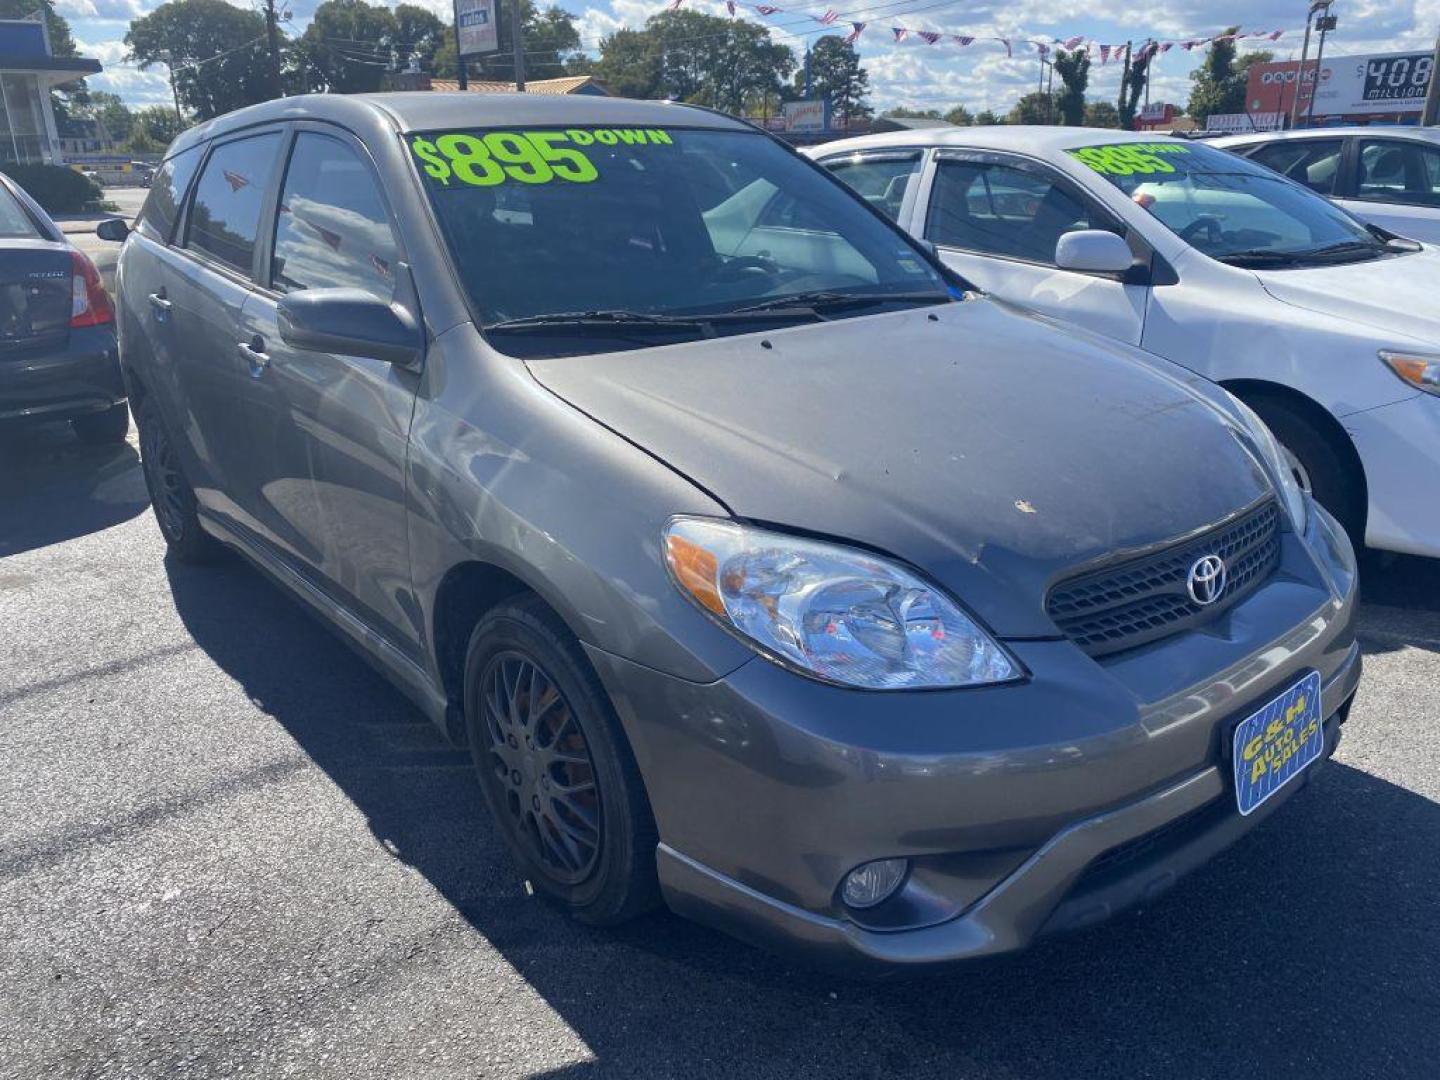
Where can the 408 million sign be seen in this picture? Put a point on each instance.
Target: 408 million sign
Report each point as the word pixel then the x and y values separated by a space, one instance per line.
pixel 475 20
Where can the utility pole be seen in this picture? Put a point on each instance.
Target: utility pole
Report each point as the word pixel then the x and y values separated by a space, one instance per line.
pixel 1431 113
pixel 1326 23
pixel 169 60
pixel 517 42
pixel 272 45
pixel 1124 82
pixel 463 81
pixel 1304 59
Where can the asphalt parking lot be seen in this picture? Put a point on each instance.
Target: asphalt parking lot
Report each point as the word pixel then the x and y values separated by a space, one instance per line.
pixel 228 848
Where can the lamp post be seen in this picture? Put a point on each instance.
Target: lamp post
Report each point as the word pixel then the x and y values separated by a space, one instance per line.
pixel 168 59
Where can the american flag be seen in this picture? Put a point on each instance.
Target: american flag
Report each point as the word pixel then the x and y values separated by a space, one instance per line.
pixel 962 39
pixel 899 32
pixel 1104 55
pixel 856 29
pixel 829 17
pixel 930 36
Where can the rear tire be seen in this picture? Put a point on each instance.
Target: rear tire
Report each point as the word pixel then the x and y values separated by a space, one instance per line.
pixel 1321 468
pixel 171 497
pixel 108 427
pixel 554 766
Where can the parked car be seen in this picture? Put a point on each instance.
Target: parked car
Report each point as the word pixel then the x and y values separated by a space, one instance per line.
pixel 1389 176
pixel 1324 326
pixel 763 565
pixel 58 359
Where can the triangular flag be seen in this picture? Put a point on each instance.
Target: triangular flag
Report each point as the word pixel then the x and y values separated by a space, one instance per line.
pixel 1104 55
pixel 1275 35
pixel 766 9
pixel 1166 46
pixel 1041 48
pixel 899 32
pixel 930 36
pixel 856 29
pixel 1074 43
pixel 730 7
pixel 829 17
pixel 962 40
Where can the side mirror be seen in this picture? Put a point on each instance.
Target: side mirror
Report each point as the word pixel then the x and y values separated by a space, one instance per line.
pixel 112 229
pixel 1093 251
pixel 351 322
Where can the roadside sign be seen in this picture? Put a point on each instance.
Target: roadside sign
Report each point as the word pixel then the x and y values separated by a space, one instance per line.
pixel 477 27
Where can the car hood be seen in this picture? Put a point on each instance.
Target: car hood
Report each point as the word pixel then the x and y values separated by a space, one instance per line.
pixel 986 447
pixel 1395 295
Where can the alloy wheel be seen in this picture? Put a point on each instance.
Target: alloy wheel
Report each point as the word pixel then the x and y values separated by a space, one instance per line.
pixel 540 760
pixel 166 482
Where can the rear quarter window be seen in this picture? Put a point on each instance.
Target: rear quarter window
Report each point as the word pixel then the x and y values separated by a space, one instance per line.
pixel 167 192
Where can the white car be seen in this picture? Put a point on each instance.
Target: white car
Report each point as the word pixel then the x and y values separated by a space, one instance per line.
pixel 1389 176
pixel 1328 331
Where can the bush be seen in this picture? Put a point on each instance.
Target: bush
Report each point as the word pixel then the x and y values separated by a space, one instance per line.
pixel 58 189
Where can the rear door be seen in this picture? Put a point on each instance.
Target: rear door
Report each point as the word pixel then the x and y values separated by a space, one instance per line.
pixel 1397 186
pixel 206 279
pixel 996 219
pixel 339 425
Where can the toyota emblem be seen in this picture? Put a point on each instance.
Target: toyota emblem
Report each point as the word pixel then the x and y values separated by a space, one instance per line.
pixel 1206 580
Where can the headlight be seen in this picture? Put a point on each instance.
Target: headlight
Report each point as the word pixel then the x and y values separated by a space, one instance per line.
pixel 834 613
pixel 1420 371
pixel 1276 462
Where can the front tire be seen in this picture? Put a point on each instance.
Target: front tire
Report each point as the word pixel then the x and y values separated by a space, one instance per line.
pixel 109 427
pixel 554 766
pixel 1320 467
pixel 171 497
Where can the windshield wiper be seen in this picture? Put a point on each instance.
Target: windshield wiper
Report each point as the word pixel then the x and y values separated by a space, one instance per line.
pixel 829 300
pixel 1341 252
pixel 1263 257
pixel 1347 247
pixel 629 320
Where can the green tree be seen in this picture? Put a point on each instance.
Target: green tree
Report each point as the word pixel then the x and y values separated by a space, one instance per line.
pixel 1132 83
pixel 750 63
pixel 106 107
pixel 190 31
pixel 417 30
pixel 836 73
pixel 960 116
pixel 1101 114
pixel 152 129
pixel 1035 107
pixel 629 63
pixel 1219 83
pixel 551 40
pixel 899 112
pixel 988 118
pixel 346 47
pixel 1074 71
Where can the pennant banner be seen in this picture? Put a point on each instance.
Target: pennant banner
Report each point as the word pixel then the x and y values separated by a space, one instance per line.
pixel 1141 54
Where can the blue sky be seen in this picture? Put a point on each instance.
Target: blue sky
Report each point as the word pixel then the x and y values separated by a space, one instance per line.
pixel 911 73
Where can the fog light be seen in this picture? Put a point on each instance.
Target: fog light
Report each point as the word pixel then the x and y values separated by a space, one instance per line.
pixel 874 882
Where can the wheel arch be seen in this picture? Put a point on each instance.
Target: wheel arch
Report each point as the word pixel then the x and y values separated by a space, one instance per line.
pixel 1323 421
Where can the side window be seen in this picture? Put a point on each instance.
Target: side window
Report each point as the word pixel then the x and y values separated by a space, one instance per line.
pixel 1005 211
pixel 1312 162
pixel 1395 171
pixel 784 211
pixel 332 230
pixel 225 214
pixel 167 192
pixel 881 181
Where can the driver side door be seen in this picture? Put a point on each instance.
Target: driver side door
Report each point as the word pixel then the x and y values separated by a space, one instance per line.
pixel 996 219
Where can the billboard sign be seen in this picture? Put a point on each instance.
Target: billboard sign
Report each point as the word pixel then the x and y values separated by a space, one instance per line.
pixel 476 26
pixel 806 115
pixel 1371 85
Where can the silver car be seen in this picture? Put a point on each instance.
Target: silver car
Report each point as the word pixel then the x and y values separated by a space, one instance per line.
pixel 765 567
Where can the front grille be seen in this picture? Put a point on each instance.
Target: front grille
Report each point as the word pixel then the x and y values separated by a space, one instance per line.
pixel 1143 599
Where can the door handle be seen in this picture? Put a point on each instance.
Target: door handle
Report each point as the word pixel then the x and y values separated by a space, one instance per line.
pixel 253 352
pixel 159 302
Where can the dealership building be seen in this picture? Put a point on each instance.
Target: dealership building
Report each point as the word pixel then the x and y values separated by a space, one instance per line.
pixel 28 71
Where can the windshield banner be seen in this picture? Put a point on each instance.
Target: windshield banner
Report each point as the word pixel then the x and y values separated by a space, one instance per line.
pixel 1130 159
pixel 484 159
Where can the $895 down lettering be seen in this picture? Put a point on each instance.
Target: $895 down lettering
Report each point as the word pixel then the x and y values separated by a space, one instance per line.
pixel 526 157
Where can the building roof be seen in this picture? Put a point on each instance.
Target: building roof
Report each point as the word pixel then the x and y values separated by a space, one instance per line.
pixel 569 84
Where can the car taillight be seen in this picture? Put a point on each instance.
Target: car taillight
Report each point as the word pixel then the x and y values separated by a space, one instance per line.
pixel 89 302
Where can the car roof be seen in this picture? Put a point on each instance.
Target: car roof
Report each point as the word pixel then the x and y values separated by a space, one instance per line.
pixel 1027 139
pixel 430 110
pixel 1385 131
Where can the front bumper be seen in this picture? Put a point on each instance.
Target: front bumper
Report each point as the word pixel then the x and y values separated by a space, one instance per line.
pixel 81 376
pixel 1399 446
pixel 1023 809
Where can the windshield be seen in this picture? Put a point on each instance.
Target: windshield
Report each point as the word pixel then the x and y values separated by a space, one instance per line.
pixel 592 239
pixel 1231 209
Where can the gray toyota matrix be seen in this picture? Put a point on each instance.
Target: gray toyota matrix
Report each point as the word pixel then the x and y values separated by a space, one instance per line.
pixel 766 568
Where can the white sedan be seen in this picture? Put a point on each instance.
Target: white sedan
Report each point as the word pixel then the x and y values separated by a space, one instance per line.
pixel 1323 325
pixel 1390 176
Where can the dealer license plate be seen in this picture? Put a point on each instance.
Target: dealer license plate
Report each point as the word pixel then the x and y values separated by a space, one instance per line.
pixel 1272 746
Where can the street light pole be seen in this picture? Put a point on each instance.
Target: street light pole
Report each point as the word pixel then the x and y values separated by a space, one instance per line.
pixel 517 42
pixel 1326 22
pixel 168 59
